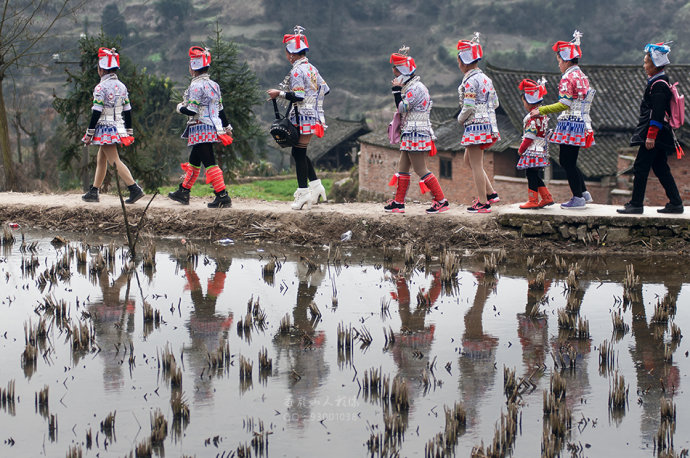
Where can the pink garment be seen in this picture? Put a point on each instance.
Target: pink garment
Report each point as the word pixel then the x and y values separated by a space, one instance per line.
pixel 394 129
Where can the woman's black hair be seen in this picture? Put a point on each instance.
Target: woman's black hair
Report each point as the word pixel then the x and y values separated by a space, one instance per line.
pixel 575 61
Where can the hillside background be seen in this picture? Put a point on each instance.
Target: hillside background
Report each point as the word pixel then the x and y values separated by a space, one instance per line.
pixel 352 40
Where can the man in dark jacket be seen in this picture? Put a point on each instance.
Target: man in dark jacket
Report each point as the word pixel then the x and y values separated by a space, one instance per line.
pixel 654 135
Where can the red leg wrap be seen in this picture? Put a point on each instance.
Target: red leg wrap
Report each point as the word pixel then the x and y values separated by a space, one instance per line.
pixel 403 186
pixel 191 174
pixel 214 176
pixel 431 182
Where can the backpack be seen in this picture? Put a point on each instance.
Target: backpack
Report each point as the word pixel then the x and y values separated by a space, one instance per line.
pixel 676 115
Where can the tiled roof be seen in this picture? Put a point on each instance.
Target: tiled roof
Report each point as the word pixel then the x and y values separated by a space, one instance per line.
pixel 614 111
pixel 339 130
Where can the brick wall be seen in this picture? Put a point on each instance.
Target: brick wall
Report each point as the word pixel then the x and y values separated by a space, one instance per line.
pixel 378 164
pixel 655 194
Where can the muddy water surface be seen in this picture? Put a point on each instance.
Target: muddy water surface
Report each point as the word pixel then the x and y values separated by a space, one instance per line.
pixel 449 343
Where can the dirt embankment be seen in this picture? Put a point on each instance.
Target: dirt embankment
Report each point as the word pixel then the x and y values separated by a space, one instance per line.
pixel 250 220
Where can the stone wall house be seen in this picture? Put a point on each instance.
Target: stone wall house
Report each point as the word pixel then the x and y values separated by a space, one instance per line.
pixel 606 165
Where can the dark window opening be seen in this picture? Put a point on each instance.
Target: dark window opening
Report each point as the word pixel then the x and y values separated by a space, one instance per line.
pixel 446 168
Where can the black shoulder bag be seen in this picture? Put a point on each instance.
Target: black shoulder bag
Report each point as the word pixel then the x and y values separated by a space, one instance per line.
pixel 282 130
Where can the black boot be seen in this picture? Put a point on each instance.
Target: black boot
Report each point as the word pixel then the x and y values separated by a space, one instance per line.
pixel 181 195
pixel 135 193
pixel 222 200
pixel 91 195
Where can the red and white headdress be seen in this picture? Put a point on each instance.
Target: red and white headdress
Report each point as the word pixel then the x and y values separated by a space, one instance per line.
pixel 296 42
pixel 470 51
pixel 569 50
pixel 199 57
pixel 534 90
pixel 404 63
pixel 108 58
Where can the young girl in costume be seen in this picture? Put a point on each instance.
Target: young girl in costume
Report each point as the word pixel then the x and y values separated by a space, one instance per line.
pixel 413 103
pixel 574 129
pixel 534 155
pixel 478 103
pixel 306 91
pixel 207 125
pixel 110 125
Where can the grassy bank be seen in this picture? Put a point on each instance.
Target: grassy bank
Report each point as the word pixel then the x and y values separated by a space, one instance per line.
pixel 260 189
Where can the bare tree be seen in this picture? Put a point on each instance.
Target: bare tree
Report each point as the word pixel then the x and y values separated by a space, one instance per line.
pixel 23 25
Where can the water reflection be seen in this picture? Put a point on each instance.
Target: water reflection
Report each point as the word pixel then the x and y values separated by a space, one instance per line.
pixel 478 357
pixel 113 321
pixel 303 353
pixel 533 329
pixel 207 329
pixel 656 378
pixel 302 385
pixel 413 341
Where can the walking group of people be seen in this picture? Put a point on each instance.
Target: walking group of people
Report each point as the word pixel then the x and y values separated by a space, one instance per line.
pixel 305 89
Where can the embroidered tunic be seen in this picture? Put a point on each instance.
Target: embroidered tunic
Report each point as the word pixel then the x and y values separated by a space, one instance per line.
pixel 308 85
pixel 110 98
pixel 203 98
pixel 537 154
pixel 414 109
pixel 575 122
pixel 478 101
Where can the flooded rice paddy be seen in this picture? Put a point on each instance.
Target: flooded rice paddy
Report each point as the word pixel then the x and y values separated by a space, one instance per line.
pixel 244 350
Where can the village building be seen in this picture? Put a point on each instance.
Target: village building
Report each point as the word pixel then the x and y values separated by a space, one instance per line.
pixel 336 150
pixel 607 166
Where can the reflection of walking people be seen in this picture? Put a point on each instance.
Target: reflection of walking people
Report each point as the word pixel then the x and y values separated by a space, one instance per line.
pixel 306 91
pixel 574 128
pixel 110 125
pixel 534 155
pixel 207 125
pixel 478 103
pixel 413 105
pixel 654 135
pixel 533 328
pixel 477 371
pixel 207 329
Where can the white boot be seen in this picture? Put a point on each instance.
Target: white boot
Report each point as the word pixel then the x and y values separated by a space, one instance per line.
pixel 317 190
pixel 302 197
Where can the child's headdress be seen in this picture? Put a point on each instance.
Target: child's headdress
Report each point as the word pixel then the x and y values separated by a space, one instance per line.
pixel 534 90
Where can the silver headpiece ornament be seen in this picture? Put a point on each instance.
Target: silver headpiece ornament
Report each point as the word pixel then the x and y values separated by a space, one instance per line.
pixel 404 50
pixel 475 37
pixel 542 81
pixel 298 30
pixel 576 37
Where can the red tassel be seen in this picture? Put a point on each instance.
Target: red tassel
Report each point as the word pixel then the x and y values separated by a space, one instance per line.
pixel 318 130
pixel 126 141
pixel 226 139
pixel 423 188
pixel 433 149
pixel 394 180
pixel 679 152
pixel 185 166
pixel 589 139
